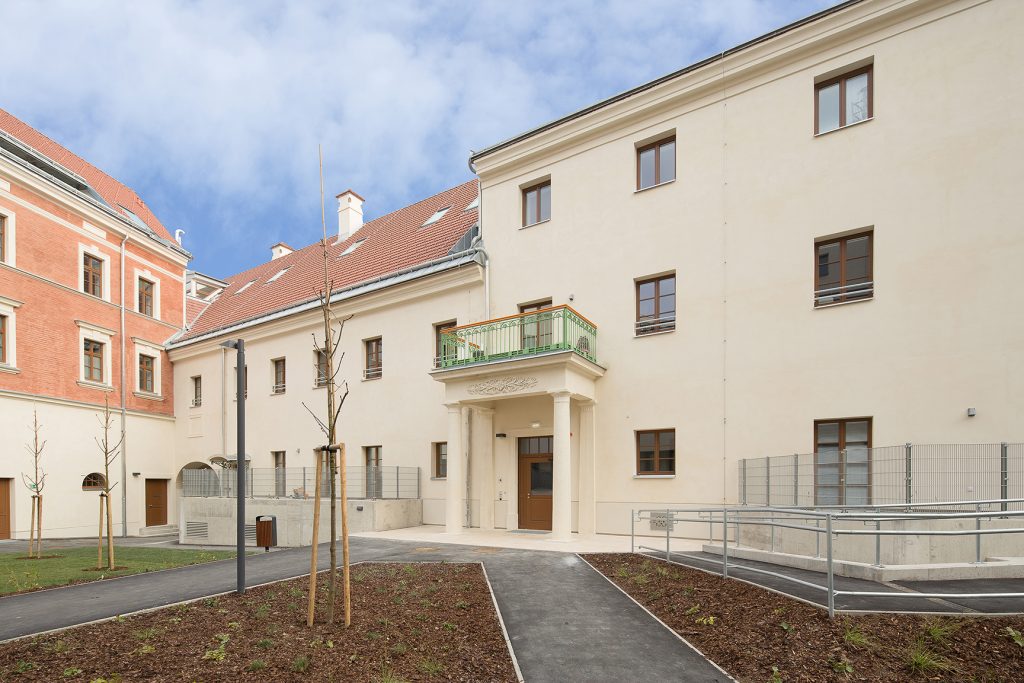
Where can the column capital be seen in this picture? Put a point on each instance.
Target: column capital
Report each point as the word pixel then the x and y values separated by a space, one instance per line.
pixel 481 410
pixel 453 406
pixel 560 395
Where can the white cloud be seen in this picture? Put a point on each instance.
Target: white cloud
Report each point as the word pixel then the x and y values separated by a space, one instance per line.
pixel 213 110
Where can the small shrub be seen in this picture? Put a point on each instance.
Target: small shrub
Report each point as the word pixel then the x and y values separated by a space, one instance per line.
pixel 841 666
pixel 71 672
pixel 776 676
pixel 429 667
pixel 399 649
pixel 217 655
pixel 301 664
pixel 263 611
pixel 787 627
pixel 211 602
pixel 145 633
pixel 58 648
pixel 622 572
pixel 147 649
pixel 461 604
pixel 233 624
pixel 939 632
pixel 265 643
pixel 705 621
pixel 1015 635
pixel 373 635
pixel 693 610
pixel 256 665
pixel 23 667
pixel 923 661
pixel 449 626
pixel 856 637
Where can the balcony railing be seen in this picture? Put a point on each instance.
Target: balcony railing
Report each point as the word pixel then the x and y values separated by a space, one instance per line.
pixel 559 328
pixel 851 292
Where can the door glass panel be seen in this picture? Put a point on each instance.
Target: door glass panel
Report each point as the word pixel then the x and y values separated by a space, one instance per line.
pixel 856 99
pixel 857 432
pixel 540 478
pixel 828 433
pixel 828 495
pixel 828 475
pixel 857 475
pixel 856 495
pixel 828 108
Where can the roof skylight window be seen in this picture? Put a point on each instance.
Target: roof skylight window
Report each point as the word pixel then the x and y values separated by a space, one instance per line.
pixel 352 247
pixel 436 217
pixel 246 286
pixel 473 204
pixel 277 275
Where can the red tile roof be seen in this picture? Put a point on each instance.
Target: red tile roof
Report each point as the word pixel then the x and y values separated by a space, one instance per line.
pixel 193 307
pixel 113 192
pixel 389 244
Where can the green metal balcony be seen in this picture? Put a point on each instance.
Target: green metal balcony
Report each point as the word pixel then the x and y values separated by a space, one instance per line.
pixel 559 328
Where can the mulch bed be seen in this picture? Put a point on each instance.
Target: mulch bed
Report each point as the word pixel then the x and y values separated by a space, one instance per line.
pixel 747 631
pixel 410 622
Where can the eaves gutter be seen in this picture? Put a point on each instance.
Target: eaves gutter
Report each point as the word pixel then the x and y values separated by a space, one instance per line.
pixel 655 83
pixel 358 289
pixel 92 201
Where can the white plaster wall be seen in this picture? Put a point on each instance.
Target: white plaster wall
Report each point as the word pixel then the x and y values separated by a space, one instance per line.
pixel 70 454
pixel 752 364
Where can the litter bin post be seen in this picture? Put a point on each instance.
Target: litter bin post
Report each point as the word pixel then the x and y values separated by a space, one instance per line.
pixel 266 532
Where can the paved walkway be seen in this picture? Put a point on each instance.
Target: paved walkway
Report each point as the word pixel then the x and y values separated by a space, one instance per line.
pixel 565 620
pixel 712 562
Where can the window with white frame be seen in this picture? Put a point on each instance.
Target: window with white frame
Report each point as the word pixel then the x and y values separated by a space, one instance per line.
pixel 147 365
pixel 8 334
pixel 94 344
pixel 147 293
pixel 93 272
pixel 7 244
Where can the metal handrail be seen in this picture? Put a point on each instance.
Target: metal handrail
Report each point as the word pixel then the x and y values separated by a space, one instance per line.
pixel 753 516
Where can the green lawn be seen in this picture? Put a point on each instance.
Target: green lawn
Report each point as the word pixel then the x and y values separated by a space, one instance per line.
pixel 18 575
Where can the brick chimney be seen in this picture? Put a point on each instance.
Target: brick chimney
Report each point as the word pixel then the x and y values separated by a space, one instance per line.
pixel 350 213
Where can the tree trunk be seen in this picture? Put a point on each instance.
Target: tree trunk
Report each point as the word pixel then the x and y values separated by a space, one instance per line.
pixel 316 536
pixel 344 537
pixel 332 592
pixel 110 536
pixel 32 530
pixel 39 532
pixel 99 535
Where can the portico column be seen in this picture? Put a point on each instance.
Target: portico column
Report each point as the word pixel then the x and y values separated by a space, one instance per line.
pixel 561 486
pixel 483 457
pixel 455 483
pixel 587 470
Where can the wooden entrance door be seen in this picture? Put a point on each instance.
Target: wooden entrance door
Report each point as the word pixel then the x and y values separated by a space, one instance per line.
pixel 5 508
pixel 156 502
pixel 535 478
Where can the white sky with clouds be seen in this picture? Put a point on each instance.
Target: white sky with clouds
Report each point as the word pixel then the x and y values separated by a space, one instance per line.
pixel 212 111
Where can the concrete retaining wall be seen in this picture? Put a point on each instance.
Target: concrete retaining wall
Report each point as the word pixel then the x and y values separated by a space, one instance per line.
pixel 212 520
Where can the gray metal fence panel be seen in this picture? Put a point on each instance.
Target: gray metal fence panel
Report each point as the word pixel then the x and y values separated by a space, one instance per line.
pixel 383 483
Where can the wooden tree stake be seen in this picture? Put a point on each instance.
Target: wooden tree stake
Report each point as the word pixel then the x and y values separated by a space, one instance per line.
pixel 318 454
pixel 344 536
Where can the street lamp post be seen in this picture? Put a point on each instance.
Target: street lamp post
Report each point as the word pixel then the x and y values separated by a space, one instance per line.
pixel 239 347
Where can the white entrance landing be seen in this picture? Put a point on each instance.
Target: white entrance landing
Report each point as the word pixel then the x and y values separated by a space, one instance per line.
pixel 499 538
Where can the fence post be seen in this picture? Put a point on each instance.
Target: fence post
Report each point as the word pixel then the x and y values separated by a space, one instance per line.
pixel 668 531
pixel 830 578
pixel 725 543
pixel 768 482
pixel 632 531
pixel 743 478
pixel 796 479
pixel 910 478
pixel 417 482
pixel 397 486
pixel 977 537
pixel 1004 479
pixel 878 540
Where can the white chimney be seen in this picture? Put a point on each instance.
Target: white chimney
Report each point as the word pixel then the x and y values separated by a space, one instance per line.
pixel 280 249
pixel 350 213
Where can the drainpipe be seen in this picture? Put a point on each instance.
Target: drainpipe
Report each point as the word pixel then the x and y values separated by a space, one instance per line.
pixel 124 413
pixel 467 434
pixel 479 241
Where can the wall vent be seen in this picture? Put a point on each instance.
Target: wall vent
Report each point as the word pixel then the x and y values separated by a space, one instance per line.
pixel 197 530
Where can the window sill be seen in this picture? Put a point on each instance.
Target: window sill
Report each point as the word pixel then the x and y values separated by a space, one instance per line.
pixel 147 395
pixel 193 406
pixel 373 379
pixel 546 220
pixel 844 303
pixel 277 393
pixel 654 476
pixel 439 479
pixel 9 368
pixel 846 127
pixel 653 334
pixel 95 385
pixel 651 187
pixel 320 386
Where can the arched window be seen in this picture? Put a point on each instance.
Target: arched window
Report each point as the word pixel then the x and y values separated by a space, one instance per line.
pixel 93 482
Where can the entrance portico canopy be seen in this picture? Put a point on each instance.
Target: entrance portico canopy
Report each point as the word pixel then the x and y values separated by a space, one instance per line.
pixel 489 387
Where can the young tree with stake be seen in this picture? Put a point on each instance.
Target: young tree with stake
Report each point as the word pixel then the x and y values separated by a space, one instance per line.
pixel 35 484
pixel 110 452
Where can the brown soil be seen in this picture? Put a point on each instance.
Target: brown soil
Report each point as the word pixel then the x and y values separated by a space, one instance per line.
pixel 748 630
pixel 410 622
pixel 44 557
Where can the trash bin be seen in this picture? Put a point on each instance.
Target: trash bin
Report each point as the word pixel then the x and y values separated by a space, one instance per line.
pixel 266 531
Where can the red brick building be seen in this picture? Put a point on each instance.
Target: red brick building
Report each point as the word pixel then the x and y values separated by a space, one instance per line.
pixel 92 285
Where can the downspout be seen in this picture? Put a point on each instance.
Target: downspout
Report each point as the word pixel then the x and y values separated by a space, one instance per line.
pixel 478 242
pixel 124 412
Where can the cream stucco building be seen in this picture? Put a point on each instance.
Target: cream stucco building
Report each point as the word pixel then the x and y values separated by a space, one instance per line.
pixel 803 244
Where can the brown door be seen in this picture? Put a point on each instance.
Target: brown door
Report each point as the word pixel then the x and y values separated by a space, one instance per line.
pixel 535 471
pixel 156 502
pixel 5 508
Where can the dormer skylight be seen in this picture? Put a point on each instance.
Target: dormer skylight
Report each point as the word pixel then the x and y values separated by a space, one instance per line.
pixel 276 275
pixel 473 204
pixel 246 286
pixel 436 217
pixel 352 247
